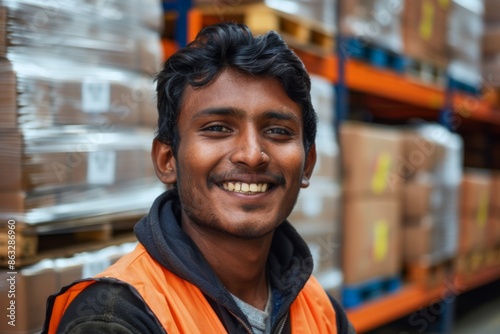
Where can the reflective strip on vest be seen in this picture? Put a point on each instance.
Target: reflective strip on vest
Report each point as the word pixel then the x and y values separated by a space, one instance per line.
pixel 181 307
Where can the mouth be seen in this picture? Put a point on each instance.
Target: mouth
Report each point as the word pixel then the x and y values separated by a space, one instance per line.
pixel 246 188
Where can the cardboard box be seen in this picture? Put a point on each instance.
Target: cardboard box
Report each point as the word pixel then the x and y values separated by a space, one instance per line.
pixel 420 154
pixel 419 198
pixel 323 239
pixel 327 154
pixel 11 143
pixel 32 287
pixel 371 243
pixel 375 21
pixel 425 24
pixel 3 31
pixel 495 190
pixel 491 11
pixel 319 202
pixel 371 158
pixel 491 41
pixel 473 233
pixel 8 95
pixel 22 202
pixel 493 230
pixel 475 194
pixel 96 102
pixel 323 99
pixel 418 244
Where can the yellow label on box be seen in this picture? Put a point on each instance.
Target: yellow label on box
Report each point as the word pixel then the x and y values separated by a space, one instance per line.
pixel 381 173
pixel 482 211
pixel 444 3
pixel 381 240
pixel 427 20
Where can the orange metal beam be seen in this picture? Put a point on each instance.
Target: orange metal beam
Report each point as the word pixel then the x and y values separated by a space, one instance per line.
pixel 412 297
pixel 365 78
pixel 476 108
pixel 392 307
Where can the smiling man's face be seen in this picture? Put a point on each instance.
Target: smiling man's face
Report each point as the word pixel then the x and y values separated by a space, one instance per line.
pixel 241 160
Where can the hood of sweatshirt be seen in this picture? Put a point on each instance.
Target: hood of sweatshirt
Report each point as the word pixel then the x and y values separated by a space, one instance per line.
pixel 289 264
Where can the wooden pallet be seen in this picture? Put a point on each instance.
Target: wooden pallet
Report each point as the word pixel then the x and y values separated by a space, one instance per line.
pixel 61 239
pixel 429 274
pixel 355 295
pixel 296 31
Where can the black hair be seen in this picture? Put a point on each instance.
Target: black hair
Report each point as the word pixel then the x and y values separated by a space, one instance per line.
pixel 231 45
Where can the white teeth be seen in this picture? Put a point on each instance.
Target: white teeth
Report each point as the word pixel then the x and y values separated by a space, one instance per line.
pixel 242 187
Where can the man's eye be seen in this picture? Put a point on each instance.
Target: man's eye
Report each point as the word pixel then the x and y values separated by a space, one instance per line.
pixel 278 131
pixel 217 128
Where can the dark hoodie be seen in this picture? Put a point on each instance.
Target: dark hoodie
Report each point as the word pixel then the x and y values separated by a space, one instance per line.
pixel 111 306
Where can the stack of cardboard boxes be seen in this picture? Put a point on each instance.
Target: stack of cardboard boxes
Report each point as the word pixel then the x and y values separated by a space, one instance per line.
pixel 77 117
pixel 493 233
pixel 491 46
pixel 425 25
pixel 433 158
pixel 375 22
pixel 371 243
pixel 465 41
pixel 31 286
pixel 474 207
pixel 316 214
pixel 77 107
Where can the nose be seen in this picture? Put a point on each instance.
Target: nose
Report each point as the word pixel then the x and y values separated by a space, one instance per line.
pixel 249 149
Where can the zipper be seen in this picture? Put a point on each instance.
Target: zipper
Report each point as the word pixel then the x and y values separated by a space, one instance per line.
pixel 282 325
pixel 249 330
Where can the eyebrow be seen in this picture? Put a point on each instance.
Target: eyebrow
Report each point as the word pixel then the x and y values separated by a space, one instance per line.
pixel 239 113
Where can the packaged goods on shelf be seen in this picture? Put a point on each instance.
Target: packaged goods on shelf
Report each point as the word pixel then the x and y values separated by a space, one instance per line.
pixel 375 21
pixel 30 300
pixel 316 215
pixel 323 240
pixel 41 93
pixel 420 154
pixel 492 11
pixel 319 202
pixel 417 239
pixel 430 198
pixel 372 160
pixel 495 190
pixel 371 239
pixel 475 210
pixel 323 99
pixel 65 174
pixel 114 34
pixel 465 62
pixel 425 25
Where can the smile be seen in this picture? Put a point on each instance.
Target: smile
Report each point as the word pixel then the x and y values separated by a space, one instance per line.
pixel 245 188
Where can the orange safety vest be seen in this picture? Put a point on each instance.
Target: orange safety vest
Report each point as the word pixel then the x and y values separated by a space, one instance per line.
pixel 182 308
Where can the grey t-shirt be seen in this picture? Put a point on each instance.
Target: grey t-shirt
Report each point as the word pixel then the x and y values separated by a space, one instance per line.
pixel 259 320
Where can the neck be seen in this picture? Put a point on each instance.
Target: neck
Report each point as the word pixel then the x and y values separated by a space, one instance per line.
pixel 240 264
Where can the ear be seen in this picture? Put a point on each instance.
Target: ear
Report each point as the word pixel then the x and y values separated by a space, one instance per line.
pixel 309 166
pixel 164 162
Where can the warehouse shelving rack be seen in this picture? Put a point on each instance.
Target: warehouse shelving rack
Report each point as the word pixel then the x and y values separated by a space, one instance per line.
pixel 419 99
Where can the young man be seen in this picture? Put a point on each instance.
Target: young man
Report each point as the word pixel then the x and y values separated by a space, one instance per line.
pixel 216 254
